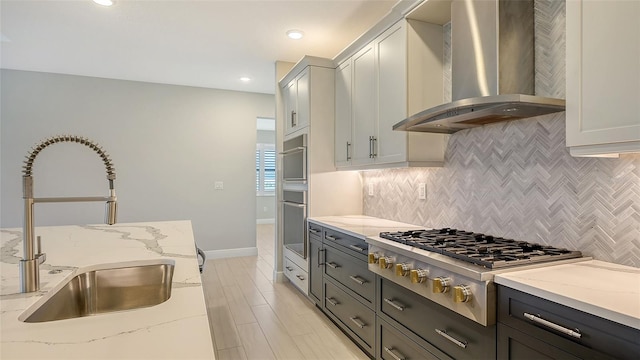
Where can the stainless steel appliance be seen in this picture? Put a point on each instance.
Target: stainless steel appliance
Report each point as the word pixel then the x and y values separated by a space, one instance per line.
pixel 294 160
pixel 294 210
pixel 455 268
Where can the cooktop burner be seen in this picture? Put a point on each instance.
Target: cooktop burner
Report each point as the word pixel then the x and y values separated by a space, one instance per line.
pixel 485 250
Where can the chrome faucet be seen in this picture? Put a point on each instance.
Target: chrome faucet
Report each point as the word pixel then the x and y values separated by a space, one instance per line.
pixel 31 259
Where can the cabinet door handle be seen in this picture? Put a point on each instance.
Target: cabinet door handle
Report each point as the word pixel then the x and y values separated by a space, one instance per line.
pixel 293 118
pixel 320 263
pixel 370 147
pixel 289 268
pixel 333 265
pixel 329 237
pixel 357 279
pixel 348 155
pixel 358 322
pixel 332 301
pixel 300 277
pixel 394 304
pixel 538 320
pixel 374 142
pixel 394 353
pixel 358 248
pixel 462 344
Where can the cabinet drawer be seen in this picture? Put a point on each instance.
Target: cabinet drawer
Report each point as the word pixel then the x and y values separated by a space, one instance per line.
pixel 296 275
pixel 350 272
pixel 315 230
pixel 359 319
pixel 352 245
pixel 546 320
pixel 393 345
pixel 451 333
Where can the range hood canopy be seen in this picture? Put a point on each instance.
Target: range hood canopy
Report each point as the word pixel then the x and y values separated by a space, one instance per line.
pixel 492 69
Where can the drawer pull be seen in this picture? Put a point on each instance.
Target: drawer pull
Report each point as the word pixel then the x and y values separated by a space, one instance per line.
pixel 332 301
pixel 357 279
pixel 394 353
pixel 357 248
pixel 289 268
pixel 333 265
pixel 329 237
pixel 538 320
pixel 315 231
pixel 300 277
pixel 462 344
pixel 394 304
pixel 358 322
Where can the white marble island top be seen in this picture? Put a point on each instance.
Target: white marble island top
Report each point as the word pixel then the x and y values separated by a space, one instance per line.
pixel 361 226
pixel 607 290
pixel 175 329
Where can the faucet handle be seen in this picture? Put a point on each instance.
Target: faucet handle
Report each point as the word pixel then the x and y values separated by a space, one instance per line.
pixel 42 257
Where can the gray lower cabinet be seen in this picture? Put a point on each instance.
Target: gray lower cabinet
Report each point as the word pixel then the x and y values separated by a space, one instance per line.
pixel 315 268
pixel 394 345
pixel 530 327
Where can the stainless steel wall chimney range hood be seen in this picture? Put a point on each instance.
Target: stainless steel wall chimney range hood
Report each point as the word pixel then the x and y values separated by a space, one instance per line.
pixel 492 69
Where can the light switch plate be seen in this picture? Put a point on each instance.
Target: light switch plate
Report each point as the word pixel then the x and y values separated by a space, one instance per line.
pixel 370 189
pixel 422 191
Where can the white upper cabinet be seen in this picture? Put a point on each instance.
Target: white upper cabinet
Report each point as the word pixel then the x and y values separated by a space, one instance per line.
pixel 297 102
pixel 397 74
pixel 603 77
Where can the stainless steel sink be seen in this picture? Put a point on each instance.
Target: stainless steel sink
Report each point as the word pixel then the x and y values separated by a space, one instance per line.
pixel 105 288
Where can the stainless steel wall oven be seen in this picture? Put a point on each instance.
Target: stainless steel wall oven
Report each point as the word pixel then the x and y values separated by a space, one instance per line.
pixel 294 210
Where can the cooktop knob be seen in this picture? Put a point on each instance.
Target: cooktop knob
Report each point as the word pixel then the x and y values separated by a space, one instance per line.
pixel 418 276
pixel 373 258
pixel 402 269
pixel 386 262
pixel 441 284
pixel 461 293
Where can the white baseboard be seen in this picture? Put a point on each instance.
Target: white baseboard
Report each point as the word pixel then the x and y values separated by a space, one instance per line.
pixel 279 277
pixel 230 253
pixel 265 221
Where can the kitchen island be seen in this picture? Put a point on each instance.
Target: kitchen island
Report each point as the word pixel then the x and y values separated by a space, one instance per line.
pixel 175 329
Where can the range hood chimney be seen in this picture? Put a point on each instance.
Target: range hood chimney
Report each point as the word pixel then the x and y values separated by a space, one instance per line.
pixel 492 70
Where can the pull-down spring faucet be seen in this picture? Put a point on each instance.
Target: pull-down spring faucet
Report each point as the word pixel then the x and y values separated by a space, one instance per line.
pixel 30 263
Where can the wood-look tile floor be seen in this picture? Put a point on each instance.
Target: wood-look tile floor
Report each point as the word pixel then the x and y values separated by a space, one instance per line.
pixel 252 317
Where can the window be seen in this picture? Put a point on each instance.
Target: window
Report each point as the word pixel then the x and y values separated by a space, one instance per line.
pixel 266 169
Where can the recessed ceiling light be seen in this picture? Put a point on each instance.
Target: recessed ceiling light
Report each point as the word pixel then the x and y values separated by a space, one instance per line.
pixel 104 2
pixel 295 34
pixel 245 79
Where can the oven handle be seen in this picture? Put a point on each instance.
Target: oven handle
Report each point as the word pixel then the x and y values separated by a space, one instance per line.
pixel 537 319
pixel 394 353
pixel 293 150
pixel 443 333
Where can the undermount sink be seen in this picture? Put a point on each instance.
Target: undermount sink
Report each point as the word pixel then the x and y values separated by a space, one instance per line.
pixel 105 288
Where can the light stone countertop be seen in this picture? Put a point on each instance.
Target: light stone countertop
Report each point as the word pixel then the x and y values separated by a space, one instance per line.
pixel 361 226
pixel 607 290
pixel 175 329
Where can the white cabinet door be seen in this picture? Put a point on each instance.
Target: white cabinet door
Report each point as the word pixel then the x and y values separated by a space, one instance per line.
pixel 603 77
pixel 364 97
pixel 303 100
pixel 343 144
pixel 290 106
pixel 391 53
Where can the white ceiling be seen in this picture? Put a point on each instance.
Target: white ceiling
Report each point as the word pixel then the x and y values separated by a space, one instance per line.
pixel 206 43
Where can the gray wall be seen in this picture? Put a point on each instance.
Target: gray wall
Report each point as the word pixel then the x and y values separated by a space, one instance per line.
pixel 169 145
pixel 517 179
pixel 266 205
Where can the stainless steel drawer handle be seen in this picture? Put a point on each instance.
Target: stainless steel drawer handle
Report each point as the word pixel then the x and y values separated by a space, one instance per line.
pixel 462 344
pixel 357 279
pixel 289 268
pixel 333 265
pixel 394 353
pixel 394 304
pixel 315 231
pixel 300 277
pixel 358 248
pixel 329 237
pixel 332 301
pixel 538 320
pixel 358 322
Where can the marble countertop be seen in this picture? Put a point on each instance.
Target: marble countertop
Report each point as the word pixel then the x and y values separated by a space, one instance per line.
pixel 361 226
pixel 175 329
pixel 607 290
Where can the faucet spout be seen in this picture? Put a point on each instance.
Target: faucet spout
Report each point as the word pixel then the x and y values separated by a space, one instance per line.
pixel 29 265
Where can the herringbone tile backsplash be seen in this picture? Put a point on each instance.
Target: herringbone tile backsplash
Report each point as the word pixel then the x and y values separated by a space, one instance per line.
pixel 517 179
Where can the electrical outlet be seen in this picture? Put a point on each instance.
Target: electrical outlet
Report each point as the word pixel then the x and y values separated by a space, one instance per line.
pixel 218 185
pixel 422 191
pixel 370 189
